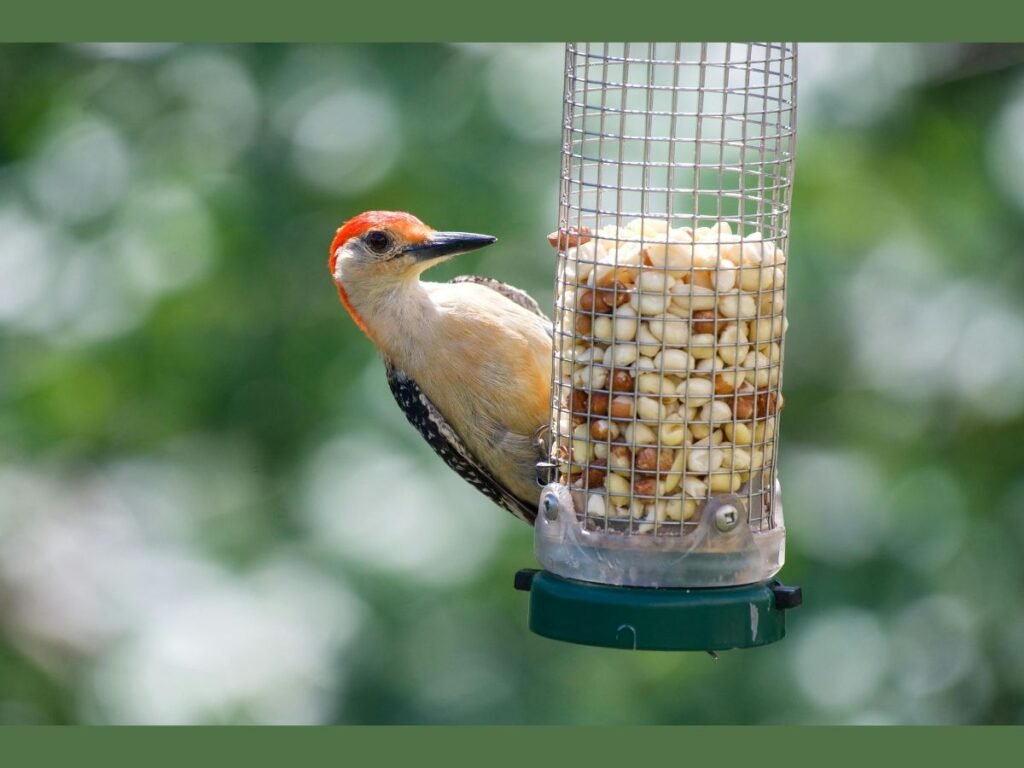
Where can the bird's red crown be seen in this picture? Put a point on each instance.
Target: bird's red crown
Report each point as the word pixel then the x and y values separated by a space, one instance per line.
pixel 405 224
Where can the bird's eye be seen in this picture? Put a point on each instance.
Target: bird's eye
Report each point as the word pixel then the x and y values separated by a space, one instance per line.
pixel 378 241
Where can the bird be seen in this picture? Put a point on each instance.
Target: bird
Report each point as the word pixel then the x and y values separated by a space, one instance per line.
pixel 468 361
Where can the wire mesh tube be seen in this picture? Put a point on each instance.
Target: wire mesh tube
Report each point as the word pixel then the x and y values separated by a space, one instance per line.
pixel 677 168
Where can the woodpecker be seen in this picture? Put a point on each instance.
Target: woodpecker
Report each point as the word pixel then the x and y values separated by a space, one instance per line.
pixel 468 361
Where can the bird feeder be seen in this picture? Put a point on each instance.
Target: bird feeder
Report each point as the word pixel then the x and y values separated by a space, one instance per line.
pixel 660 525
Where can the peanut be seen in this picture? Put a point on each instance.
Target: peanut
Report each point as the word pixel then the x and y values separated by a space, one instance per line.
pixel 622 381
pixel 602 329
pixel 744 407
pixel 581 453
pixel 570 238
pixel 739 458
pixel 649 408
pixel 702 345
pixel 648 228
pixel 622 407
pixel 669 329
pixel 589 355
pixel 585 300
pixel 753 248
pixel 648 303
pixel 704 321
pixel 650 383
pixel 651 459
pixel 716 412
pixel 709 364
pixel 609 276
pixel 670 480
pixel 645 486
pixel 674 361
pixel 599 429
pixel 687 298
pixel 621 460
pixel 618 489
pixel 596 473
pixel 725 276
pixel 764 430
pixel 766 330
pixel 578 401
pixel 724 482
pixel 591 377
pixel 694 487
pixel 771 303
pixel 624 354
pixel 729 380
pixel 737 305
pixel 672 433
pixel 699 429
pixel 638 434
pixel 768 403
pixel 739 433
pixel 596 505
pixel 773 352
pixel 625 324
pixel 655 282
pixel 675 257
pixel 694 392
pixel 644 364
pixel 733 344
pixel 648 344
pixel 671 509
pixel 702 459
pixel 609 298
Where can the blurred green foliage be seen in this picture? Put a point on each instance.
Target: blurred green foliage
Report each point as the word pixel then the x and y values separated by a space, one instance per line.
pixel 210 511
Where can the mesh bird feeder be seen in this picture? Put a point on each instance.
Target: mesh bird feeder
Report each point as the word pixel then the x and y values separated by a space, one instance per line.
pixel 661 524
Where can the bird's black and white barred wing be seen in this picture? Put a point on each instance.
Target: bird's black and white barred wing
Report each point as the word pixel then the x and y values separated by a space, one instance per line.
pixel 447 444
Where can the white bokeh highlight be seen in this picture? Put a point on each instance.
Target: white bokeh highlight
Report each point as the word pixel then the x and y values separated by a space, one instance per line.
pixel 81 171
pixel 832 503
pixel 840 658
pixel 917 332
pixel 376 504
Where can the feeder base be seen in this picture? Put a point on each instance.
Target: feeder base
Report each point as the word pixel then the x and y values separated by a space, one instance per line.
pixel 637 618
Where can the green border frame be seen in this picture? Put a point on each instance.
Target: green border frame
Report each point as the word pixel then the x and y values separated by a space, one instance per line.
pixel 521 747
pixel 533 20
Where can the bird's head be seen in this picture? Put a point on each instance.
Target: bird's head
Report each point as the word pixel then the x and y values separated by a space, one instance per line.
pixel 378 251
pixel 391 246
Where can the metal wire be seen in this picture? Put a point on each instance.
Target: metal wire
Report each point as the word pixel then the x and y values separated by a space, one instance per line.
pixel 658 138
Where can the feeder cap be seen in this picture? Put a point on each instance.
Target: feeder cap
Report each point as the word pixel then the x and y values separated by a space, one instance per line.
pixel 636 618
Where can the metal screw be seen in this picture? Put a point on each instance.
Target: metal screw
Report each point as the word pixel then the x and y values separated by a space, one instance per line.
pixel 550 505
pixel 726 518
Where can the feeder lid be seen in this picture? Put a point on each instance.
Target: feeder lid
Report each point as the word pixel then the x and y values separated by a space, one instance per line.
pixel 710 619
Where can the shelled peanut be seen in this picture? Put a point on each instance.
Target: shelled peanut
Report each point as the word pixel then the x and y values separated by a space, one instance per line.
pixel 670 349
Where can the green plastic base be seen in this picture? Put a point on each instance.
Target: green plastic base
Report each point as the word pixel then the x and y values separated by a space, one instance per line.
pixel 659 619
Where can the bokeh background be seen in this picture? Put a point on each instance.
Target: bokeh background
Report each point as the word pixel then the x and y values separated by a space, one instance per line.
pixel 212 512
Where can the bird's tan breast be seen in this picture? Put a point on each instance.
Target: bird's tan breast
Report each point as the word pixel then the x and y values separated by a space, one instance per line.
pixel 500 354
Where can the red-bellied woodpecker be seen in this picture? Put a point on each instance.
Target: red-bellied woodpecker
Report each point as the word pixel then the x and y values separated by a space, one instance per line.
pixel 468 361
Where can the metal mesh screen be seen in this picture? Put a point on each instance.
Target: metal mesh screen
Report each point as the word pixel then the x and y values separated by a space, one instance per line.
pixel 671 281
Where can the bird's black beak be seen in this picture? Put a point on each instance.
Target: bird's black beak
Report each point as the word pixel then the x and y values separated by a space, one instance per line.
pixel 448 244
